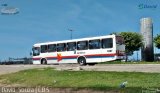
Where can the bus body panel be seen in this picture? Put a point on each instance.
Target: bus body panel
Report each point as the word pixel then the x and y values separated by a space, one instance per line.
pixel 90 55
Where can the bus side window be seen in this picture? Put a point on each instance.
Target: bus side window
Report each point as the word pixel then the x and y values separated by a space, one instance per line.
pixel 44 48
pixel 52 48
pixel 107 43
pixel 82 45
pixel 61 47
pixel 94 44
pixel 71 46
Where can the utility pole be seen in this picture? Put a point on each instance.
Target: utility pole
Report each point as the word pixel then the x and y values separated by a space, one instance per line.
pixel 71 32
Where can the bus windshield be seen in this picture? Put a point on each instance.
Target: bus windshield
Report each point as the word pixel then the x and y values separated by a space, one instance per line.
pixel 119 40
pixel 36 51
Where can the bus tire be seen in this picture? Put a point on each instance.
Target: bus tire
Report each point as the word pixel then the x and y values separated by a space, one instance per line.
pixel 82 61
pixel 43 61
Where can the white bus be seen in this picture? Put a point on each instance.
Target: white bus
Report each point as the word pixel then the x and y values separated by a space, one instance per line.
pixel 83 51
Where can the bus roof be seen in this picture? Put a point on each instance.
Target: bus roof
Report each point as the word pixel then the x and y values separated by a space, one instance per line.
pixel 74 40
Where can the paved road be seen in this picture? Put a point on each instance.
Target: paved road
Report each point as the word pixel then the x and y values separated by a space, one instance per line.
pixel 152 68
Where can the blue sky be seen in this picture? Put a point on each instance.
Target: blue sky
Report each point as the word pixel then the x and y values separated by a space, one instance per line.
pixel 49 20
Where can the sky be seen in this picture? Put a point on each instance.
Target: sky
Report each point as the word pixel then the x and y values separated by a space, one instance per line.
pixel 49 20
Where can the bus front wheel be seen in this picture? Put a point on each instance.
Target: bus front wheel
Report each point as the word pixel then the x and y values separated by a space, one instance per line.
pixel 82 61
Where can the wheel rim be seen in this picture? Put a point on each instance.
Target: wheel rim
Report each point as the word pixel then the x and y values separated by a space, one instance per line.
pixel 81 62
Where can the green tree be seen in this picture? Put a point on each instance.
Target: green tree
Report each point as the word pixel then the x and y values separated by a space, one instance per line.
pixel 157 41
pixel 133 42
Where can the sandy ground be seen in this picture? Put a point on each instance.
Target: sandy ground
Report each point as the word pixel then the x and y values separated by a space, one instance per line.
pixel 152 68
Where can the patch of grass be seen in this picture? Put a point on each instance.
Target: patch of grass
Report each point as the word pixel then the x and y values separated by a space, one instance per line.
pixel 102 80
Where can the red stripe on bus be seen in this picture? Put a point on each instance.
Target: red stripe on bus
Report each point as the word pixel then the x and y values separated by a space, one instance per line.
pixel 55 57
pixel 102 55
pixel 36 58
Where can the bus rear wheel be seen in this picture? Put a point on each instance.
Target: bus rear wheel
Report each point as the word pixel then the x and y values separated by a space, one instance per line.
pixel 82 61
pixel 43 61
